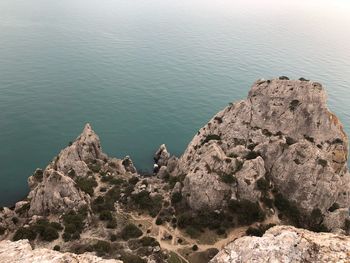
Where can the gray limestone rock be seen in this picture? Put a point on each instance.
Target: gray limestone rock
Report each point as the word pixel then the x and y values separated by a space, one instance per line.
pixel 22 252
pixel 56 194
pixel 287 244
pixel 283 132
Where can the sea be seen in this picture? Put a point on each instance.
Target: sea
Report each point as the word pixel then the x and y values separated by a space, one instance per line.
pixel 148 72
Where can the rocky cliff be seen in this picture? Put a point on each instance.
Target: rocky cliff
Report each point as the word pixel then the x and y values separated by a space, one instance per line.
pixel 277 157
pixel 281 143
pixel 287 244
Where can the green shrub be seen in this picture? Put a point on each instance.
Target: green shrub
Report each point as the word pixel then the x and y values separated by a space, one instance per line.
pixel 252 155
pixel 254 231
pixel 228 178
pixel 130 231
pixel 322 162
pixel 102 248
pixel 15 220
pixel 159 221
pixel 56 225
pixel 95 167
pixel 347 225
pixel 247 212
pixel 258 231
pixel 106 215
pixel 38 175
pixel 2 230
pixel 334 207
pixel 23 209
pixel 133 180
pixel 194 247
pixel 294 105
pixel 145 202
pixel 112 224
pixel 149 242
pixel 57 248
pixel 262 184
pixel 130 258
pixel 73 224
pixel 176 197
pixel 49 234
pixel 288 208
pixel 290 141
pixel 86 184
pixel 192 232
pixel 25 233
pixel 211 137
pixel 113 237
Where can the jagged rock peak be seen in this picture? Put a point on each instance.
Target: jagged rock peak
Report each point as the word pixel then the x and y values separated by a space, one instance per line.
pixel 22 252
pixel 85 149
pixel 287 244
pixel 284 136
pixel 162 156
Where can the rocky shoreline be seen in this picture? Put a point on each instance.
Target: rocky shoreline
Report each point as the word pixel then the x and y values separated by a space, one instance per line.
pixel 278 157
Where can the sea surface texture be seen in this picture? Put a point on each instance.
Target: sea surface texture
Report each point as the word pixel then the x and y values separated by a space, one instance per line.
pixel 149 72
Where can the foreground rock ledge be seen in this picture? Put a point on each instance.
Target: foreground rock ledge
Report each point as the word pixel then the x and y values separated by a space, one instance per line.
pixel 21 252
pixel 287 244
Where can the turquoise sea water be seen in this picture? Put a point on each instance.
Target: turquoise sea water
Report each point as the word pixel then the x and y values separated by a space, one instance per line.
pixel 149 72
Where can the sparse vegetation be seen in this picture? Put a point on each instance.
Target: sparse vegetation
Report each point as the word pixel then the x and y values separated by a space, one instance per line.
pixel 334 207
pixel 102 248
pixel 288 208
pixel 247 212
pixel 23 209
pixel 86 184
pixel 294 105
pixel 145 202
pixel 2 230
pixel 25 233
pixel 57 248
pixel 73 224
pixel 211 137
pixel 322 162
pixel 252 155
pixel 259 230
pixel 262 184
pixel 176 197
pixel 130 231
pixel 228 178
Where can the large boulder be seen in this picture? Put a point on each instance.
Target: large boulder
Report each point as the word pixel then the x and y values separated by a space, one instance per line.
pixel 287 244
pixel 283 133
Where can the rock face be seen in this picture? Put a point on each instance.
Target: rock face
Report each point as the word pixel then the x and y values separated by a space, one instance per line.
pixel 162 156
pixel 287 244
pixel 21 252
pixel 284 133
pixel 56 193
pixel 82 151
pixel 53 190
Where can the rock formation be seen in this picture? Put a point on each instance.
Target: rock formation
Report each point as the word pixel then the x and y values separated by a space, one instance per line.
pixel 22 252
pixel 287 244
pixel 283 133
pixel 278 157
pixel 57 193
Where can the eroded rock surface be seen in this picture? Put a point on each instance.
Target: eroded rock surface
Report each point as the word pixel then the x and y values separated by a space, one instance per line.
pixel 21 252
pixel 284 133
pixel 287 244
pixel 57 193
